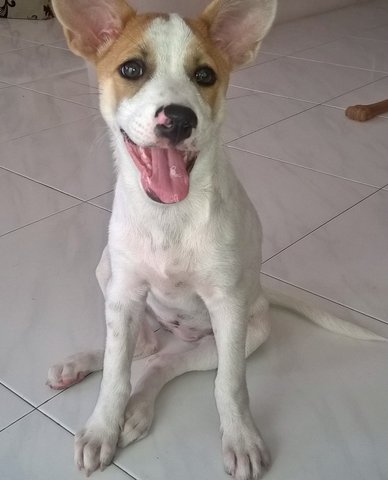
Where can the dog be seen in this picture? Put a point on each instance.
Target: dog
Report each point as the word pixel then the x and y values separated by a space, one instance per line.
pixel 184 239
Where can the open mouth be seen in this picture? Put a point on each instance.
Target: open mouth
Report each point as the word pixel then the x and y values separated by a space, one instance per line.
pixel 164 171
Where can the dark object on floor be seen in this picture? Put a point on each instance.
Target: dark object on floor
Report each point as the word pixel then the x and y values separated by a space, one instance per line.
pixel 362 113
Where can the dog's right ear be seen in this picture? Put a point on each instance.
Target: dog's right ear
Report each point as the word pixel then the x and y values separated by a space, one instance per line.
pixel 90 26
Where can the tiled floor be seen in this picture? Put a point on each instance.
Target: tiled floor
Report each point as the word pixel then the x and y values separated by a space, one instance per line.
pixel 320 184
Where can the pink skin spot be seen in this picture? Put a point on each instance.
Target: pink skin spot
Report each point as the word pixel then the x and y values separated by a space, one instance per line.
pixel 162 119
pixel 61 384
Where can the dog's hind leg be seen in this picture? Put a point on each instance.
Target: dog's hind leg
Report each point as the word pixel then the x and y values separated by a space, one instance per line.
pixel 164 367
pixel 74 369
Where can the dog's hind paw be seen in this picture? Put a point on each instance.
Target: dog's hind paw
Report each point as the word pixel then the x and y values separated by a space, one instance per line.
pixel 138 420
pixel 74 369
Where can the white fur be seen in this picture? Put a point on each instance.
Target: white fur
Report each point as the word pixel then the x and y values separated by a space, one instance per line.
pixel 193 265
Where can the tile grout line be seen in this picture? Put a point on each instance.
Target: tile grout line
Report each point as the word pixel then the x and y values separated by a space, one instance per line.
pixel 42 219
pixel 385 72
pixel 57 190
pixel 325 298
pixel 322 225
pixel 62 98
pixel 310 169
pixel 92 114
pixel 71 433
pixel 17 394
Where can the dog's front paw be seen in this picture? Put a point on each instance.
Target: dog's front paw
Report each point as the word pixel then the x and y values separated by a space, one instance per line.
pixel 138 420
pixel 95 446
pixel 245 455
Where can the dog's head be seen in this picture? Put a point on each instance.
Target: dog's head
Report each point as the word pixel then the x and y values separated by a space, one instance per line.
pixel 163 78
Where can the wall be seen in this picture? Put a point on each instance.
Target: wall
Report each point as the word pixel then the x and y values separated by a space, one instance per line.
pixel 288 9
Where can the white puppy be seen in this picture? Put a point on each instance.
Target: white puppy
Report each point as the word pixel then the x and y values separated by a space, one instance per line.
pixel 184 239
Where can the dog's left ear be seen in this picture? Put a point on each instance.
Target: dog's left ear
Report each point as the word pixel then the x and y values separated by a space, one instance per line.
pixel 238 26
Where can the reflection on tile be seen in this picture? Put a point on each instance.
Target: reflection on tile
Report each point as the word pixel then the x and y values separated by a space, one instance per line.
pixel 12 407
pixel 353 19
pixel 60 44
pixel 104 201
pixel 287 402
pixel 52 263
pixel 375 92
pixel 352 52
pixel 18 114
pixel 61 87
pixel 250 113
pixel 11 43
pixel 297 35
pixel 292 201
pixel 33 30
pixel 36 62
pixel 23 201
pixel 75 158
pixel 379 33
pixel 85 76
pixel 44 451
pixel 261 58
pixel 325 140
pixel 302 79
pixel 345 260
pixel 236 92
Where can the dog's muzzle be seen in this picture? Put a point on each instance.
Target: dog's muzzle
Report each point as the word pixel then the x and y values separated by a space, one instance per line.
pixel 164 171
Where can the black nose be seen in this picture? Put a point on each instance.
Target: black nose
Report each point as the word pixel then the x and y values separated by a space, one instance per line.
pixel 180 123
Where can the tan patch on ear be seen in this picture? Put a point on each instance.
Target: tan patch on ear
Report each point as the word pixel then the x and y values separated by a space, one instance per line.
pixel 131 44
pixel 201 52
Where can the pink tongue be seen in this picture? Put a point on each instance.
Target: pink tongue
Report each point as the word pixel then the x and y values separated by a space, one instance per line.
pixel 169 179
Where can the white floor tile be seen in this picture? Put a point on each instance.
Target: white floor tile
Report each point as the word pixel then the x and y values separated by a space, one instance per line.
pixel 233 92
pixel 104 201
pixel 33 30
pixel 18 114
pixel 375 92
pixel 37 62
pixel 75 158
pixel 351 52
pixel 297 35
pixel 303 79
pixel 59 44
pixel 345 260
pixel 53 299
pixel 61 87
pixel 85 76
pixel 324 140
pixel 23 201
pixel 249 113
pixel 342 418
pixel 12 43
pixel 353 19
pixel 379 33
pixel 35 448
pixel 12 408
pixel 292 201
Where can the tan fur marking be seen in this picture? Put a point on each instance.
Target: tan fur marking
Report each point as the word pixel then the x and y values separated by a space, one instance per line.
pixel 202 51
pixel 131 44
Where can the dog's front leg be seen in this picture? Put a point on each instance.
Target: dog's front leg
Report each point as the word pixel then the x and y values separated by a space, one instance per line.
pixel 245 455
pixel 96 444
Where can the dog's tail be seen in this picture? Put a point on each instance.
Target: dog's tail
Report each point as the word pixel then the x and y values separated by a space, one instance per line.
pixel 321 318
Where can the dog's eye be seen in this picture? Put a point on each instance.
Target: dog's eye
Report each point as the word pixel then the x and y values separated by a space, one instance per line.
pixel 132 70
pixel 205 76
